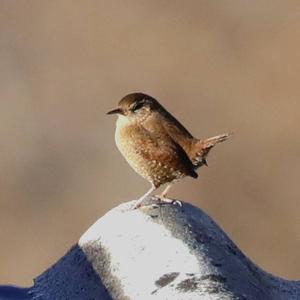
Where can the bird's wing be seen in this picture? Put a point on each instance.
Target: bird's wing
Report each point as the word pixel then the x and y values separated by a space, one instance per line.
pixel 162 148
pixel 165 123
pixel 174 127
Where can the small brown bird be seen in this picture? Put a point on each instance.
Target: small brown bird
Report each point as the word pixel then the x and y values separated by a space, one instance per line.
pixel 156 145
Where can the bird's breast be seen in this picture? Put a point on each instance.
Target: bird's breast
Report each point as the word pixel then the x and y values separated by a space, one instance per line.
pixel 125 135
pixel 131 141
pixel 137 148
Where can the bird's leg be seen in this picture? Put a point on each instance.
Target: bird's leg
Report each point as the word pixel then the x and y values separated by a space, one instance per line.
pixel 140 201
pixel 163 196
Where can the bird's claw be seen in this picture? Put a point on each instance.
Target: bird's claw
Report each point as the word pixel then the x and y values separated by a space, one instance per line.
pixel 160 201
pixel 163 200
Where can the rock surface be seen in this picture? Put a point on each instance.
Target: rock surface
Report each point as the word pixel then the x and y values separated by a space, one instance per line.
pixel 155 252
pixel 174 252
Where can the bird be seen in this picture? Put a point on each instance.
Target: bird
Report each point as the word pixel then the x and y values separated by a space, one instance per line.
pixel 156 145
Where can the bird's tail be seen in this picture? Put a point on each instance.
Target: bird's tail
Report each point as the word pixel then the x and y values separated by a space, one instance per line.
pixel 202 148
pixel 216 139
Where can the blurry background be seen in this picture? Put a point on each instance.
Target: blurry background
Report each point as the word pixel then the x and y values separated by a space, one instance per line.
pixel 217 65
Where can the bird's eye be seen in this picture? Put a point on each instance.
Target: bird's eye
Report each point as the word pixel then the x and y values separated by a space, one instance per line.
pixel 137 106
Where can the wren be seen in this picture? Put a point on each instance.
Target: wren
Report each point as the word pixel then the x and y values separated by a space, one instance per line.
pixel 156 145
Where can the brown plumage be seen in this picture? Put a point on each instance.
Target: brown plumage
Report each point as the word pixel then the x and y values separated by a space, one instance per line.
pixel 155 144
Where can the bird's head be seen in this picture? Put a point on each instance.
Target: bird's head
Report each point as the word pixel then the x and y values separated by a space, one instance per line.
pixel 136 107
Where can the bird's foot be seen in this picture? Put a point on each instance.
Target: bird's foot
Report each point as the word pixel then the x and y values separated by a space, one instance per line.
pixel 137 204
pixel 159 201
pixel 144 201
pixel 164 200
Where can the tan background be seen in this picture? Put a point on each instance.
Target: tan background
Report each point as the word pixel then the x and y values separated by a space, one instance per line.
pixel 217 65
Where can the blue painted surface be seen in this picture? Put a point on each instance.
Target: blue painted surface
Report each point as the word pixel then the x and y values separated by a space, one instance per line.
pixel 71 278
pixel 14 293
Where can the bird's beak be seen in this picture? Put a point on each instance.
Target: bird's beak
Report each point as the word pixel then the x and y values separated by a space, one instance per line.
pixel 115 111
